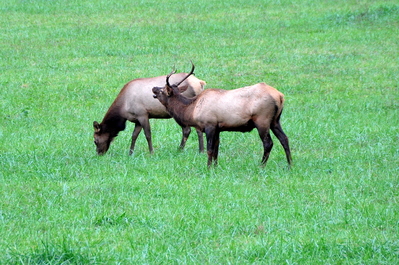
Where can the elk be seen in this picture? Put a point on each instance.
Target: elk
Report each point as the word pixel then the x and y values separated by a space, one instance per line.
pixel 135 103
pixel 216 110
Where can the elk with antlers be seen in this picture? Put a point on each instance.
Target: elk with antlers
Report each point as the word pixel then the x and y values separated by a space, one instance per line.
pixel 215 110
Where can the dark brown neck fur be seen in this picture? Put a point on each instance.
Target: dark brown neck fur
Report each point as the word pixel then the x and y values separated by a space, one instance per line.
pixel 113 122
pixel 180 107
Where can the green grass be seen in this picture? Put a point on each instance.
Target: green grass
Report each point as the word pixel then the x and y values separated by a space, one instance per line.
pixel 63 63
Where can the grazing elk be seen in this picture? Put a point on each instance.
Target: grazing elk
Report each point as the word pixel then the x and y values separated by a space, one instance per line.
pixel 135 103
pixel 216 110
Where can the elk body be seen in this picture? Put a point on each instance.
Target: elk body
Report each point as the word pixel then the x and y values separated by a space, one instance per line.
pixel 216 110
pixel 135 103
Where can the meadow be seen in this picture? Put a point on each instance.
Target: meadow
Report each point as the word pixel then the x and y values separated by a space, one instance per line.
pixel 64 62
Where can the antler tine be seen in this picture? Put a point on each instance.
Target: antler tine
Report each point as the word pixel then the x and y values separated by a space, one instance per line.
pixel 191 72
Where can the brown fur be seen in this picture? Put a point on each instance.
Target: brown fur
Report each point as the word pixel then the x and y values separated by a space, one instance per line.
pixel 216 110
pixel 136 104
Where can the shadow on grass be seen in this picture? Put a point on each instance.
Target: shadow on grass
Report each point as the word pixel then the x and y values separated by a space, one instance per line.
pixel 48 253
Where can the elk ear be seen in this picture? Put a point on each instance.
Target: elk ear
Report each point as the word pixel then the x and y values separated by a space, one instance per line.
pixel 97 127
pixel 182 88
pixel 169 91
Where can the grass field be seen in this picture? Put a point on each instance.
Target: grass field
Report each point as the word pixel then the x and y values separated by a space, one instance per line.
pixel 63 63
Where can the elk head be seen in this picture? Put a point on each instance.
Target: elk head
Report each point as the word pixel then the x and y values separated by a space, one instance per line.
pixel 162 93
pixel 102 139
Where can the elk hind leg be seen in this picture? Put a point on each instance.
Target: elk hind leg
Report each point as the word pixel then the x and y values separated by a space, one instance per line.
pixel 145 123
pixel 267 142
pixel 282 137
pixel 135 134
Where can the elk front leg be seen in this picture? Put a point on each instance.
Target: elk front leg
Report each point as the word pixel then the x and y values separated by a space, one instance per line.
pixel 186 133
pixel 216 147
pixel 210 147
pixel 200 141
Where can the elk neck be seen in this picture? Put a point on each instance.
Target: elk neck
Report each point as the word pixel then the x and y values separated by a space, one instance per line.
pixel 113 122
pixel 181 108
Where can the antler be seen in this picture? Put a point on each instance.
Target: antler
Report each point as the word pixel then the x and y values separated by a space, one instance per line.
pixel 191 72
pixel 169 75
